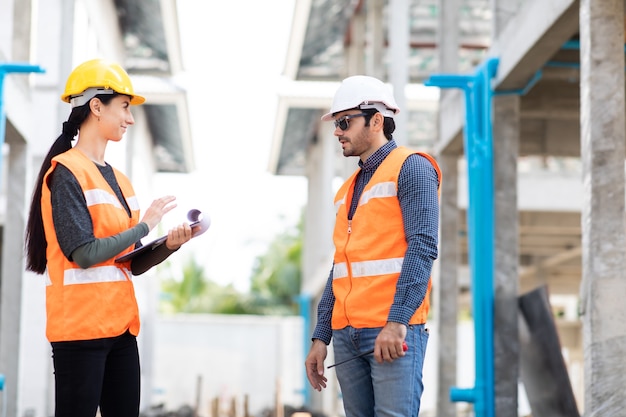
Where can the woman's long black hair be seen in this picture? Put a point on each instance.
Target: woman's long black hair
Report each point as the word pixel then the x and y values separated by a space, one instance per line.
pixel 35 236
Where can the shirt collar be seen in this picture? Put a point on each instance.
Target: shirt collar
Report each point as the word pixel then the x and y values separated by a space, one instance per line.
pixel 377 157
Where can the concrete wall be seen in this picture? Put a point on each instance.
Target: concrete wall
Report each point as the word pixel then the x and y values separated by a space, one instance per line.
pixel 227 357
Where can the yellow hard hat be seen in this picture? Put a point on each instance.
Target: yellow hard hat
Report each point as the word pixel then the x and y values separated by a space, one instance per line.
pixel 98 76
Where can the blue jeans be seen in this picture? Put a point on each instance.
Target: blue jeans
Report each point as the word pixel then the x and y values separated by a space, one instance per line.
pixel 370 389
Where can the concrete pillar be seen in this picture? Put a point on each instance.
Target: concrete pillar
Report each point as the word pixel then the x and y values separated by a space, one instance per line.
pixel 448 38
pixel 355 58
pixel 319 216
pixel 506 131
pixel 506 338
pixel 12 267
pixel 319 221
pixel 22 31
pixel 446 290
pixel 602 220
pixel 398 67
pixel 375 42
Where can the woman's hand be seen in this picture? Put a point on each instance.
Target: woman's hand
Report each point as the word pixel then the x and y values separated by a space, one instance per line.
pixel 157 210
pixel 178 235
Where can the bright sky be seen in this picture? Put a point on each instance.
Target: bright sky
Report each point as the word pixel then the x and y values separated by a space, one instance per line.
pixel 234 57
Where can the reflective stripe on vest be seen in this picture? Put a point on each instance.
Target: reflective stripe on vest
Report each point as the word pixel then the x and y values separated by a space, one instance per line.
pixel 97 196
pixel 368 268
pixel 387 189
pixel 94 275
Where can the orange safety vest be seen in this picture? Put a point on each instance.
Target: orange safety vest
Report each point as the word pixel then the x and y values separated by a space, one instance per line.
pixel 97 302
pixel 370 249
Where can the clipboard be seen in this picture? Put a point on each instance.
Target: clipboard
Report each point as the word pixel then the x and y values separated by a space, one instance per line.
pixel 196 219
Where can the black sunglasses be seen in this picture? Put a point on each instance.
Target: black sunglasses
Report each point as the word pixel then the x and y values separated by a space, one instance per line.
pixel 342 122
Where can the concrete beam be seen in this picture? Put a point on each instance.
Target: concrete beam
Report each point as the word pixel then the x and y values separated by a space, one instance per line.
pixel 550 137
pixel 540 134
pixel 548 98
pixel 523 49
pixel 535 34
pixel 551 262
pixel 451 122
pixel 562 285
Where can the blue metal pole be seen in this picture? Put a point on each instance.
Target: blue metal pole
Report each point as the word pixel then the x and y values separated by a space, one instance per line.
pixel 478 144
pixel 6 68
pixel 305 312
pixel 4 396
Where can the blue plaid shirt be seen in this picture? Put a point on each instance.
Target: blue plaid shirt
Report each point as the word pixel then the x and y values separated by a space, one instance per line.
pixel 418 195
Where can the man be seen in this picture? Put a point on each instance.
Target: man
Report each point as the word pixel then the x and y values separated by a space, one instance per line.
pixel 386 231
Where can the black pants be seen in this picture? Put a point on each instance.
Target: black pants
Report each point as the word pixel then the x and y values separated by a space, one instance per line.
pixel 100 372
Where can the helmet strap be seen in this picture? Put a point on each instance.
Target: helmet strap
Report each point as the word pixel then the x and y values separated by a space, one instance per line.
pixel 378 106
pixel 84 97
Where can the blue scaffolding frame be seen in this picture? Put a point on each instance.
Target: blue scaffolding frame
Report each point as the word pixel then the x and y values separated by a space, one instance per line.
pixel 478 146
pixel 7 68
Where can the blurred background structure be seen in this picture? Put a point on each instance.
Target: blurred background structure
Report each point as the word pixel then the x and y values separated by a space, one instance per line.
pixel 558 186
pixel 58 35
pixel 558 129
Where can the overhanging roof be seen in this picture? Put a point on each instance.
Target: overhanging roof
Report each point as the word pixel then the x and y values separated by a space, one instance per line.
pixel 321 35
pixel 535 63
pixel 153 56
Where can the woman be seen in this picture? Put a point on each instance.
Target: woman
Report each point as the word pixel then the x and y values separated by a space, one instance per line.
pixel 84 214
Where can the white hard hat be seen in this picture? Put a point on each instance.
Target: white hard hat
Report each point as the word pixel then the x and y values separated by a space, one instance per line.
pixel 363 92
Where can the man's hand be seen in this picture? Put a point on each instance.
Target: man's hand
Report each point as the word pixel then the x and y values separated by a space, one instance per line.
pixel 314 365
pixel 388 345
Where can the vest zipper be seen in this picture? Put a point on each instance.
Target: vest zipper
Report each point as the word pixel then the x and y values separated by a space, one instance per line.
pixel 349 267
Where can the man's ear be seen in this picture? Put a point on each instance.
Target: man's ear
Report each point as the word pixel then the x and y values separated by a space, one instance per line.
pixel 377 121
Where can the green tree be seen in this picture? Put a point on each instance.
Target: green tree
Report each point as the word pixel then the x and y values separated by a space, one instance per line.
pixel 277 275
pixel 275 283
pixel 187 295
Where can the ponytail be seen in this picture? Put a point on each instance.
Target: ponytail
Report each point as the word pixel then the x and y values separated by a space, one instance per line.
pixel 35 235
